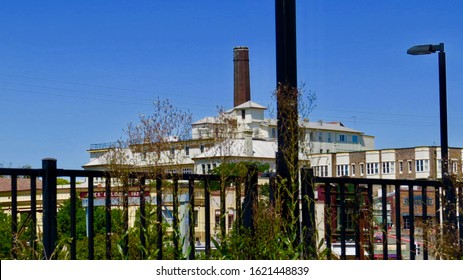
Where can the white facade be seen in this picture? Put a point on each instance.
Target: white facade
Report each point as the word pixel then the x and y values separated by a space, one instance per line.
pixel 253 138
pixel 320 137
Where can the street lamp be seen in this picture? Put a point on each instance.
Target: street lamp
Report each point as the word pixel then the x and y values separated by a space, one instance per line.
pixel 450 197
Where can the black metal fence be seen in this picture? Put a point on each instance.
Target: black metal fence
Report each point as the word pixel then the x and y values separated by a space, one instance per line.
pixel 49 174
pixel 351 212
pixel 351 204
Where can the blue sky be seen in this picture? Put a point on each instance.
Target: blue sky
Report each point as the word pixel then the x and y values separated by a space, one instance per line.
pixel 74 73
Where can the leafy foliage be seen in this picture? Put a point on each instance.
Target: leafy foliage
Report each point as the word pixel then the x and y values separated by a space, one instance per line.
pixel 5 236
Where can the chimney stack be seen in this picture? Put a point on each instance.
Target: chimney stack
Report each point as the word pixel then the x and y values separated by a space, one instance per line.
pixel 242 88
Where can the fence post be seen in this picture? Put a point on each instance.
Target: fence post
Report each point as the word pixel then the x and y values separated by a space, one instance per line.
pixel 239 213
pixel 14 214
pixel 49 207
pixel 91 219
pixel 308 213
pixel 250 199
pixel 159 217
pixel 142 218
pixel 73 218
pixel 460 217
pixel 175 219
pixel 207 206
pixel 191 221
pixel 223 189
pixel 272 190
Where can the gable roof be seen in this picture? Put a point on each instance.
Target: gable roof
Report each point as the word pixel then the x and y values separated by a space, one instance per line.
pixel 250 104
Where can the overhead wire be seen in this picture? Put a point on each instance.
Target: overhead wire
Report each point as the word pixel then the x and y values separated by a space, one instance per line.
pixel 85 94
pixel 140 99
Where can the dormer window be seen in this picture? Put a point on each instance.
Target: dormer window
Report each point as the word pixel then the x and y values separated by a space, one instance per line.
pixel 243 114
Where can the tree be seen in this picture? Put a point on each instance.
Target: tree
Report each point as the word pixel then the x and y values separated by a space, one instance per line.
pixel 152 149
pixel 64 228
pixel 64 220
pixel 62 181
pixel 5 236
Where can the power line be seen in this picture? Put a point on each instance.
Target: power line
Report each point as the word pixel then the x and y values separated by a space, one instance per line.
pixel 202 108
pixel 136 99
pixel 98 86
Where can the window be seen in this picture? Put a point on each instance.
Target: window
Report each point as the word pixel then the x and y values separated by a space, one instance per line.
pixel 195 217
pixel 454 167
pixel 422 165
pixel 320 136
pixel 329 136
pixel 372 168
pixel 187 171
pixel 172 151
pixel 388 167
pixel 406 222
pixel 409 166
pixel 231 218
pixel 362 169
pixel 321 171
pixel 349 216
pixel 201 148
pixel 418 201
pixel 167 215
pixel 342 170
pixel 353 169
pixel 208 168
pixel 355 139
pixel 203 168
pixel 401 167
pixel 342 138
pixel 243 114
pixel 217 218
pixel 187 150
pixel 316 170
pixel 274 133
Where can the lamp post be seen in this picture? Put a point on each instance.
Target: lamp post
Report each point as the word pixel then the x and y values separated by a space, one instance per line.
pixel 450 203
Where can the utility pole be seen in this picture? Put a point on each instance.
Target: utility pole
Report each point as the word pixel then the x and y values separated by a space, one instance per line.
pixel 287 93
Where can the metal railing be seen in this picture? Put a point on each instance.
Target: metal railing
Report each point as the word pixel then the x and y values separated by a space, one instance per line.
pixel 103 146
pixel 352 210
pixel 49 174
pixel 351 204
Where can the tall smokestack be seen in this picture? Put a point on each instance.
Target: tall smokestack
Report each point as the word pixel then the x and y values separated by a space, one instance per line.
pixel 242 88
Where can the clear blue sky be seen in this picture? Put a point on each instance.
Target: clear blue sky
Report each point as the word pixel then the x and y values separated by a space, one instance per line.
pixel 73 73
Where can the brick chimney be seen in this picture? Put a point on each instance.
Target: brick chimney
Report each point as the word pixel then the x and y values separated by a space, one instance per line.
pixel 242 88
